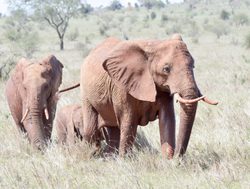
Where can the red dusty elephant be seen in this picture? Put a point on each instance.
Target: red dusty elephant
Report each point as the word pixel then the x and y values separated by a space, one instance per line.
pixel 68 122
pixel 129 83
pixel 31 95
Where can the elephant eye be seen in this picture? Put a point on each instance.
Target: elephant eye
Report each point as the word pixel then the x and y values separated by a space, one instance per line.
pixel 45 86
pixel 166 69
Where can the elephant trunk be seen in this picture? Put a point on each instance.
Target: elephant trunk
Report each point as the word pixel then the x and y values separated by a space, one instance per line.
pixel 187 116
pixel 35 126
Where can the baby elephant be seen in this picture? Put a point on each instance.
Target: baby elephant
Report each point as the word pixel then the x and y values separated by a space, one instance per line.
pixel 68 124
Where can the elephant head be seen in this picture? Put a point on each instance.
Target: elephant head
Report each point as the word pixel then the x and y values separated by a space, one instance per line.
pixel 37 84
pixel 145 68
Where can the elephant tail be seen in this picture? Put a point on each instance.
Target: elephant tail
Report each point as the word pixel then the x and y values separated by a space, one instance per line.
pixel 69 88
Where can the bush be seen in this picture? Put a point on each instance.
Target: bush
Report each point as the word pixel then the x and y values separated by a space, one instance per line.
pixel 19 31
pixel 247 41
pixel 164 18
pixel 72 36
pixel 241 19
pixel 219 29
pixel 146 18
pixel 152 3
pixel 176 28
pixel 224 15
pixel 103 28
pixel 153 15
pixel 6 65
pixel 29 44
pixel 115 5
pixel 193 30
pixel 86 8
pixel 133 19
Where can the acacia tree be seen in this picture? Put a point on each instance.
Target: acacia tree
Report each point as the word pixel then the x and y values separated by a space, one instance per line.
pixel 56 13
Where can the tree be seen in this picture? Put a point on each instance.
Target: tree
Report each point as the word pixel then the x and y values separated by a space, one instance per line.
pixel 86 8
pixel 115 5
pixel 151 3
pixel 20 32
pixel 56 13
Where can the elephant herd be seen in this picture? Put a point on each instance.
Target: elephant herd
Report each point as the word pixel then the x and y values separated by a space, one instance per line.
pixel 123 84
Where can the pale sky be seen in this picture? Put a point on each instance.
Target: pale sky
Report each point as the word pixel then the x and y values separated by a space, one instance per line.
pixel 94 3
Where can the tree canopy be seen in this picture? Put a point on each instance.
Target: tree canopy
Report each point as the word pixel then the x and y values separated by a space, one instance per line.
pixel 56 13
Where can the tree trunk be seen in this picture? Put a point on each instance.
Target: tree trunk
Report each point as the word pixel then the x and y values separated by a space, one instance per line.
pixel 61 44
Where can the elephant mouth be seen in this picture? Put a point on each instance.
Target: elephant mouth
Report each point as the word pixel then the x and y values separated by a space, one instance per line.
pixel 46 113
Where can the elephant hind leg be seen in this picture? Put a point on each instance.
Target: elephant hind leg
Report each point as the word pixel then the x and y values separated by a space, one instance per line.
pixel 112 137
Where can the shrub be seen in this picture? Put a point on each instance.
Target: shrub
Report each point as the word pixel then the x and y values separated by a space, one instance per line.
pixel 152 3
pixel 206 21
pixel 21 34
pixel 29 44
pixel 6 65
pixel 153 15
pixel 195 40
pixel 103 28
pixel 121 18
pixel 86 8
pixel 247 41
pixel 176 28
pixel 219 29
pixel 193 30
pixel 115 5
pixel 133 19
pixel 164 18
pixel 146 18
pixel 72 36
pixel 224 15
pixel 241 19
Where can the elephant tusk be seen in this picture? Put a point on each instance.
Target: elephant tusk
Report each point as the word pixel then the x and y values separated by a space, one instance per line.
pixel 187 101
pixel 210 101
pixel 46 113
pixel 25 115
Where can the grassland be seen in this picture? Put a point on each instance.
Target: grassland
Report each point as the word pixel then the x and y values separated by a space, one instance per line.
pixel 218 155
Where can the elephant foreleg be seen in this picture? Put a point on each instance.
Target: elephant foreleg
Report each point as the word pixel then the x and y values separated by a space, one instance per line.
pixel 90 131
pixel 128 134
pixel 167 128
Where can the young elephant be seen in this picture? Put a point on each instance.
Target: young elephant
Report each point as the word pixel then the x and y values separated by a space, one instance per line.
pixel 68 124
pixel 31 93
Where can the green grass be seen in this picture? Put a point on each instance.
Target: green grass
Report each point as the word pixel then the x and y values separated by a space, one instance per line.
pixel 218 155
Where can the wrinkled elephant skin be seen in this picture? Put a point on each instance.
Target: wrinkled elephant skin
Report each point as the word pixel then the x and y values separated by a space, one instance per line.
pixel 31 95
pixel 129 83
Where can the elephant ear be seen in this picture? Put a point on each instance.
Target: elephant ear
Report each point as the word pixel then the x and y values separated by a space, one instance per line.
pixel 128 67
pixel 55 69
pixel 18 76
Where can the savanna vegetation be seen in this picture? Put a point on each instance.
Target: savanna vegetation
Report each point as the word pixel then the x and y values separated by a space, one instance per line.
pixel 217 34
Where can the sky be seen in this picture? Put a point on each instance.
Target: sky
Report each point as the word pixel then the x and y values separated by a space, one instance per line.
pixel 94 3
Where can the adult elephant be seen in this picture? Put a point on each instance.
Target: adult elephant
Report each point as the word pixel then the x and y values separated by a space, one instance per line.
pixel 129 83
pixel 31 95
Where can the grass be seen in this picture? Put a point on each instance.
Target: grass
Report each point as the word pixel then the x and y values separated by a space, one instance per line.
pixel 218 154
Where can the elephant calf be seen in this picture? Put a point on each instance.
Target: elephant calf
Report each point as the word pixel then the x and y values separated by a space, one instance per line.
pixel 68 124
